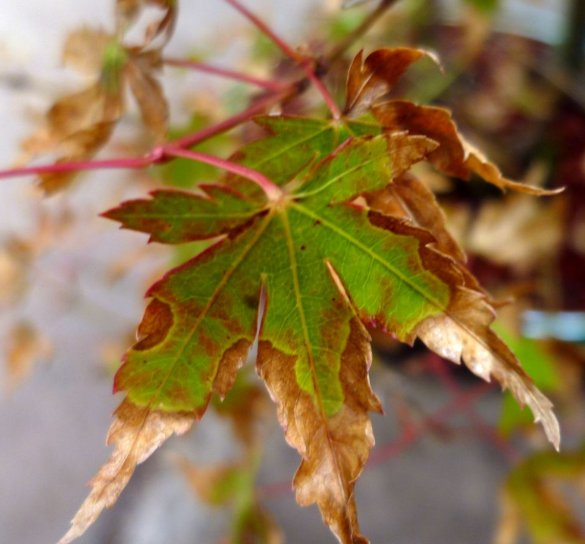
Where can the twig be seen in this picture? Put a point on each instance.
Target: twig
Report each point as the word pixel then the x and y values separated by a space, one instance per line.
pixel 273 86
pixel 134 163
pixel 273 191
pixel 305 63
pixel 265 29
pixel 345 43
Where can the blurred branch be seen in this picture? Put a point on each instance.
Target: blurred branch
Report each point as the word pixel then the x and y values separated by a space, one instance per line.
pixel 574 48
pixel 343 45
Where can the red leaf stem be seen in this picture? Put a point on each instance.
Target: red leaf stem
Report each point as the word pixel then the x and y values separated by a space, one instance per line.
pixel 273 86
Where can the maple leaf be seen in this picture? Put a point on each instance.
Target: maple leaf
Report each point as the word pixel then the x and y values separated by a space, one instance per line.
pixel 302 270
pixel 195 334
pixel 325 264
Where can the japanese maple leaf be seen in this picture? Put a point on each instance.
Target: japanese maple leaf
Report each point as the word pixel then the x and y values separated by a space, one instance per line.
pixel 344 240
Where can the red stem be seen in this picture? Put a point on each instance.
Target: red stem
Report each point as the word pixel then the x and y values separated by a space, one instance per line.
pixel 141 162
pixel 265 29
pixel 305 63
pixel 157 155
pixel 272 86
pixel 273 192
pixel 461 402
pixel 335 112
pixel 231 122
pixel 442 370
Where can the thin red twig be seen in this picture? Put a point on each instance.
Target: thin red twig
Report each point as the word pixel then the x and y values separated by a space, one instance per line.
pixel 273 86
pixel 306 64
pixel 335 111
pixel 441 369
pixel 134 163
pixel 209 132
pixel 266 30
pixel 273 191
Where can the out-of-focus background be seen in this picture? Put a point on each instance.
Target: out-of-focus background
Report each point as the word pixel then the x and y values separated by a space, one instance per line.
pixel 71 284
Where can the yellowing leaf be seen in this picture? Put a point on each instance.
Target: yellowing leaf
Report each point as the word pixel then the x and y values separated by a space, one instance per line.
pixel 85 49
pixel 149 93
pixel 136 432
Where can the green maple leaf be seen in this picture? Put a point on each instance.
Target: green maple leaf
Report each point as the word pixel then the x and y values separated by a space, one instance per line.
pixel 302 272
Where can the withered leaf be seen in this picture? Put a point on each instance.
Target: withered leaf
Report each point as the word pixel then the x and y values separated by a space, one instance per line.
pixel 85 49
pixel 148 93
pixel 25 347
pixel 463 333
pixel 409 197
pixel 369 80
pixel 302 271
pixel 136 432
pixel 454 156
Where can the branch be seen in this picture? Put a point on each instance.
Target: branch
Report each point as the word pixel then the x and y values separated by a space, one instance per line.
pixel 344 44
pixel 273 86
pixel 273 191
pixel 306 64
pixel 266 30
pixel 141 162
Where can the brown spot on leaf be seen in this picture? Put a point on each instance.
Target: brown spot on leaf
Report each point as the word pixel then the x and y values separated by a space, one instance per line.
pixel 232 359
pixel 155 325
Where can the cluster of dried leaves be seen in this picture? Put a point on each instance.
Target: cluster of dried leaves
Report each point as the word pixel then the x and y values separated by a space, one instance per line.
pixel 80 124
pixel 346 237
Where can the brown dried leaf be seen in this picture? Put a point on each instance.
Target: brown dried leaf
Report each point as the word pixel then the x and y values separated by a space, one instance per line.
pixel 25 347
pixel 77 126
pixel 15 259
pixel 83 145
pixel 463 333
pixel 137 432
pixel 149 94
pixel 369 80
pixel 454 156
pixel 409 197
pixel 533 231
pixel 85 48
pixel 334 450
pixel 127 11
pixel 204 480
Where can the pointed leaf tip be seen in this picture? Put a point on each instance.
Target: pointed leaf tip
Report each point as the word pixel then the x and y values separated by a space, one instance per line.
pixel 136 432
